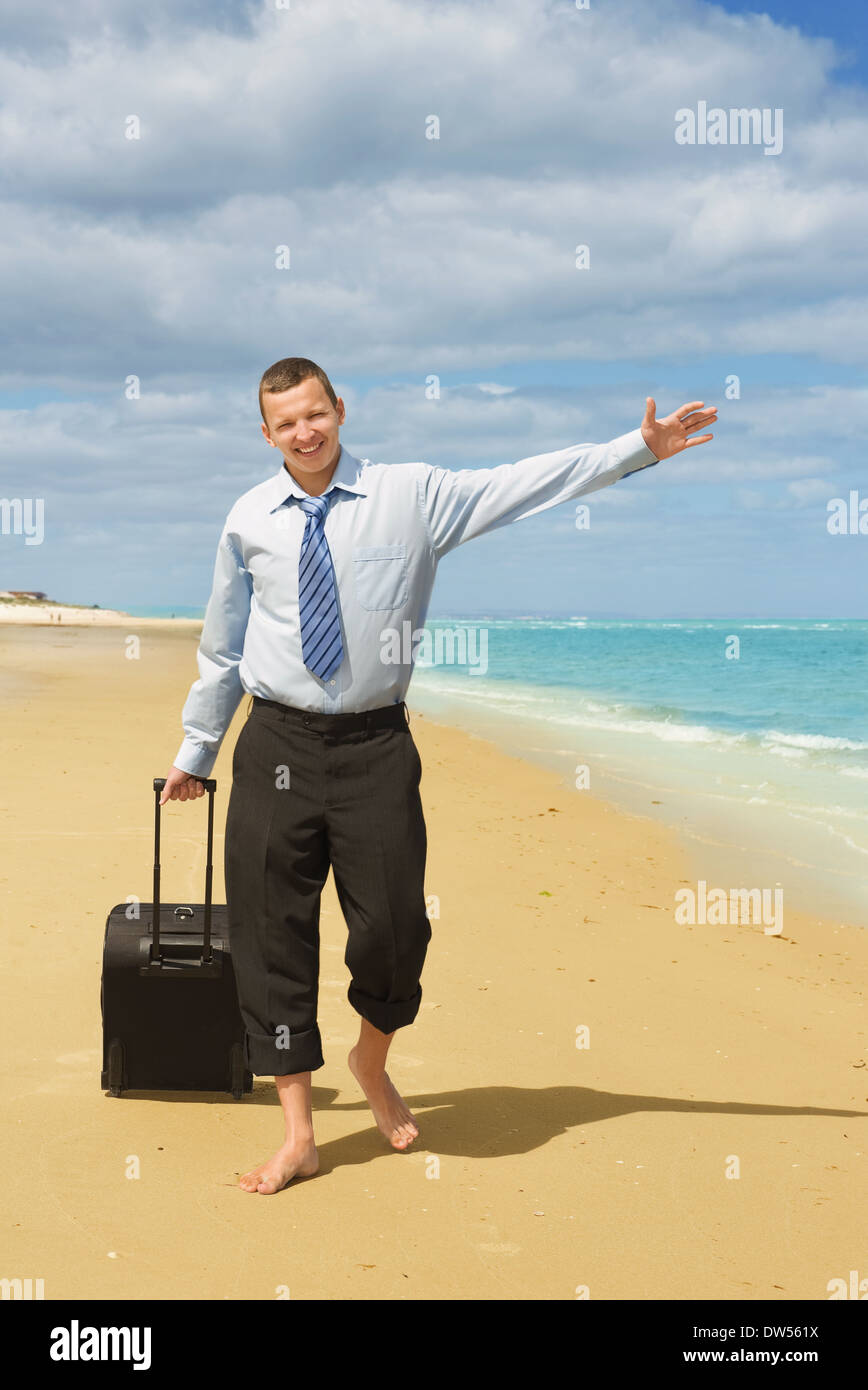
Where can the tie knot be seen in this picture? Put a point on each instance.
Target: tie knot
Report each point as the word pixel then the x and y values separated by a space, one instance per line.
pixel 315 506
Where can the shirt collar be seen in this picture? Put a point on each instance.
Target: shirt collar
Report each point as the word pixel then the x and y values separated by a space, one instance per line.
pixel 346 476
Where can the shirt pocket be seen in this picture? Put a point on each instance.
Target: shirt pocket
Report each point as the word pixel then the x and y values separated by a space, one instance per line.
pixel 380 574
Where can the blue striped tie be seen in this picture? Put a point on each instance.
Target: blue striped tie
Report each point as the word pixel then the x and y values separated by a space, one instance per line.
pixel 321 645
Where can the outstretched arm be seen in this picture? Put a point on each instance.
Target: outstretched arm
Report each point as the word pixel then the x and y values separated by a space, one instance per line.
pixel 460 504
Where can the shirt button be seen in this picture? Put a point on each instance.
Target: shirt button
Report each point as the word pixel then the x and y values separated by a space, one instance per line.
pixel 331 682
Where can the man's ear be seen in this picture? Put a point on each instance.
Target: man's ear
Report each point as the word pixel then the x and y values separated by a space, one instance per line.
pixel 267 435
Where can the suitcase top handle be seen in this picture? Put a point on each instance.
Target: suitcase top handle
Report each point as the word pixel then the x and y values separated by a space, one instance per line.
pixel 210 786
pixel 207 782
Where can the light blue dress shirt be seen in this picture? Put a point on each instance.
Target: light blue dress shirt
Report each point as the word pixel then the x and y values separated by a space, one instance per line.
pixel 388 526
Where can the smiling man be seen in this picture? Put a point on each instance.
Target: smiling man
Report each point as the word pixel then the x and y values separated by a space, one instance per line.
pixel 312 566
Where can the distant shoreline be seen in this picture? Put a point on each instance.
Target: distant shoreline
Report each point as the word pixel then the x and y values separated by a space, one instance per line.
pixel 46 613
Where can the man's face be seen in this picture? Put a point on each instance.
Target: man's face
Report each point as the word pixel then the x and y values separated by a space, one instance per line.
pixel 304 425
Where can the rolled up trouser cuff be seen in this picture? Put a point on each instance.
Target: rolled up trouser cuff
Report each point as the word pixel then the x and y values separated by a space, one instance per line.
pixel 265 1058
pixel 386 1016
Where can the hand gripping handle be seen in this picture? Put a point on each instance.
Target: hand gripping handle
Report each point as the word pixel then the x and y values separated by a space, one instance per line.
pixel 210 786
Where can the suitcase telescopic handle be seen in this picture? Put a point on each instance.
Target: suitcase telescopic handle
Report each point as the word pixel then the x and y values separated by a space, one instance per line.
pixel 210 786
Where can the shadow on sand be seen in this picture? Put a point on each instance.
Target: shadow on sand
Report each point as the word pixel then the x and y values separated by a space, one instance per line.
pixel 488 1121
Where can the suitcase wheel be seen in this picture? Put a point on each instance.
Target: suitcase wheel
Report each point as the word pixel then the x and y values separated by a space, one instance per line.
pixel 115 1067
pixel 236 1071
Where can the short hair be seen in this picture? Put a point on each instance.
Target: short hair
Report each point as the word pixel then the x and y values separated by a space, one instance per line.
pixel 289 372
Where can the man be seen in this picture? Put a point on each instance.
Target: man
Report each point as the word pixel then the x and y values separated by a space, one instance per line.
pixel 315 568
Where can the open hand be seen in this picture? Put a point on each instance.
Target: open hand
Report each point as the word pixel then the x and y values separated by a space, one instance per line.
pixel 669 436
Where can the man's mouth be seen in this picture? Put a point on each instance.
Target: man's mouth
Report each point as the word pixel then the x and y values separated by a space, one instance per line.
pixel 308 453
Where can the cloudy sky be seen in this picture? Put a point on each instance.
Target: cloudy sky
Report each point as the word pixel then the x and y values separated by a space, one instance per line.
pixel 307 126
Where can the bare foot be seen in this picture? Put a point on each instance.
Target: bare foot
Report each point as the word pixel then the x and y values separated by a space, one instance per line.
pixel 298 1159
pixel 391 1114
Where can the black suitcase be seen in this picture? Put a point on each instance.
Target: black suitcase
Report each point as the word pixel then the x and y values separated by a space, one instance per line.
pixel 170 1012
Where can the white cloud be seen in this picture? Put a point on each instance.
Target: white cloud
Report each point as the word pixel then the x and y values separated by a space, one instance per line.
pixel 307 127
pixel 805 492
pixel 412 257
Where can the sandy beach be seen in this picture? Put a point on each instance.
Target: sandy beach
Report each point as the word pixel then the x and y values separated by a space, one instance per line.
pixel 47 614
pixel 709 1142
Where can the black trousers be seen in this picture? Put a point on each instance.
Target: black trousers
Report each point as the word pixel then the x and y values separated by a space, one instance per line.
pixel 308 791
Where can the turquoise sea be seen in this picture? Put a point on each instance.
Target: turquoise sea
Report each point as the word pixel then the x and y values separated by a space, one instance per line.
pixel 751 737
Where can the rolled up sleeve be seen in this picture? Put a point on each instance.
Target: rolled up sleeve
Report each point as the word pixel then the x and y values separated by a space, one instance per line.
pixel 214 697
pixel 460 504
